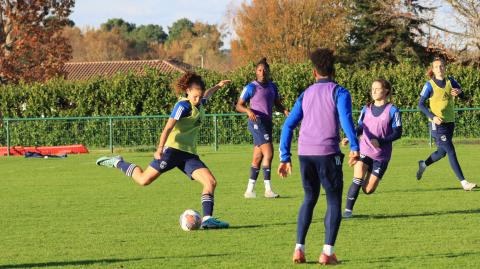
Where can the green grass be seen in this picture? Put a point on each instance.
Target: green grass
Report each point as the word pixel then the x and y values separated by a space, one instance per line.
pixel 69 213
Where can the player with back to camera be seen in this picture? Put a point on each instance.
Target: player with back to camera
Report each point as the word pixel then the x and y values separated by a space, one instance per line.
pixel 322 108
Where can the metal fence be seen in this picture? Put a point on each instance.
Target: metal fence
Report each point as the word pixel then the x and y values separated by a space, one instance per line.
pixel 217 129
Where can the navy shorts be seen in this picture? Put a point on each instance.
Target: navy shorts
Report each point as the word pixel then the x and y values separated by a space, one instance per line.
pixel 326 169
pixel 261 131
pixel 376 168
pixel 171 158
pixel 443 134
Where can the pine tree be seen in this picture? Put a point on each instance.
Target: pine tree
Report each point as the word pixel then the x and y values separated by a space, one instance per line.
pixel 387 31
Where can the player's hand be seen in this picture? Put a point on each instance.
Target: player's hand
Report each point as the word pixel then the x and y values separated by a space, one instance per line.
pixel 375 143
pixel 437 120
pixel 353 158
pixel 223 83
pixel 284 169
pixel 344 142
pixel 286 113
pixel 455 91
pixel 251 115
pixel 158 154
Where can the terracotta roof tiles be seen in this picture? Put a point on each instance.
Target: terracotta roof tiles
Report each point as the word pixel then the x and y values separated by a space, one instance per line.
pixel 87 70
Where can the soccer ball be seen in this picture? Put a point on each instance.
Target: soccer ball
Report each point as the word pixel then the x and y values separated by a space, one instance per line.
pixel 190 220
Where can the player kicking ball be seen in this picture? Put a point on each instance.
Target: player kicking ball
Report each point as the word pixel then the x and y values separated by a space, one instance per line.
pixel 177 146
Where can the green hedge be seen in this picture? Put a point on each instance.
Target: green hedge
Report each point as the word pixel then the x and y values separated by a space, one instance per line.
pixel 151 94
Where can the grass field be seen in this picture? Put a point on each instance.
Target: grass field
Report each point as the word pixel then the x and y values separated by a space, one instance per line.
pixel 69 213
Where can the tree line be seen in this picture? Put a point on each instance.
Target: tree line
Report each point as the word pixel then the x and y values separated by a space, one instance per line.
pixel 37 37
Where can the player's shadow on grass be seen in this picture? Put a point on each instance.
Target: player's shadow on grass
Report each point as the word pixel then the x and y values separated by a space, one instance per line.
pixel 101 261
pixel 397 259
pixel 423 214
pixel 424 190
pixel 266 225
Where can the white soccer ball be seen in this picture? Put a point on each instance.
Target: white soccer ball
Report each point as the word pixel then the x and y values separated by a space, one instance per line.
pixel 190 220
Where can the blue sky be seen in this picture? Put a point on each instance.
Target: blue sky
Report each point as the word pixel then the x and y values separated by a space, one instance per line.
pixel 92 13
pixel 164 12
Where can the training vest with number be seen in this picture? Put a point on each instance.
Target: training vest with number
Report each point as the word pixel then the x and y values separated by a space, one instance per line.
pixel 441 101
pixel 184 134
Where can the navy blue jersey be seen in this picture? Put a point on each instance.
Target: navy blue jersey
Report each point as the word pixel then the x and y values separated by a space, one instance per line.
pixel 184 109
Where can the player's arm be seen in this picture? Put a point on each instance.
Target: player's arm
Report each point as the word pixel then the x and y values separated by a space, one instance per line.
pixel 359 128
pixel 280 107
pixel 292 121
pixel 163 137
pixel 245 96
pixel 278 102
pixel 396 123
pixel 215 88
pixel 344 108
pixel 425 94
pixel 457 89
pixel 181 109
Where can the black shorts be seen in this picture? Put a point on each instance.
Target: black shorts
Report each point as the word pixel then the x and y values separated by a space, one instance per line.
pixel 376 168
pixel 261 130
pixel 171 158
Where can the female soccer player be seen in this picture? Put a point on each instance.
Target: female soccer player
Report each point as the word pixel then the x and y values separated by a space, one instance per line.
pixel 177 146
pixel 441 90
pixel 321 108
pixel 379 125
pixel 262 94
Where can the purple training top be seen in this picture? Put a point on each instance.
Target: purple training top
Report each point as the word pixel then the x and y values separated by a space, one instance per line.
pixel 319 133
pixel 376 127
pixel 261 98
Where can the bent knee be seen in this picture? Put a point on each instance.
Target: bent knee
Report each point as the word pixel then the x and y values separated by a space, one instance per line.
pixel 369 191
pixel 211 182
pixel 144 183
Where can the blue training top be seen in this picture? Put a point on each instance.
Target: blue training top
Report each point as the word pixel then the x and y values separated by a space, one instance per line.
pixel 184 109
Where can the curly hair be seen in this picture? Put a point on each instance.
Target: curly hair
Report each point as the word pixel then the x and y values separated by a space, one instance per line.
pixel 323 60
pixel 186 81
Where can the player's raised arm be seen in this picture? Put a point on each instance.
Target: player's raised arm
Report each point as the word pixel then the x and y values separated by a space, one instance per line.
pixel 215 88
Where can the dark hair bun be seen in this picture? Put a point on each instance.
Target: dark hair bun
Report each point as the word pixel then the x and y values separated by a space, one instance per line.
pixel 263 62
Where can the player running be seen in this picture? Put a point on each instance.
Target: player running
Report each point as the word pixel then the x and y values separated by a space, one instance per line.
pixel 379 125
pixel 440 91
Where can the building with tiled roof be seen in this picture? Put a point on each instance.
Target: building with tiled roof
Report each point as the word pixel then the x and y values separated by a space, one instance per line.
pixel 87 70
